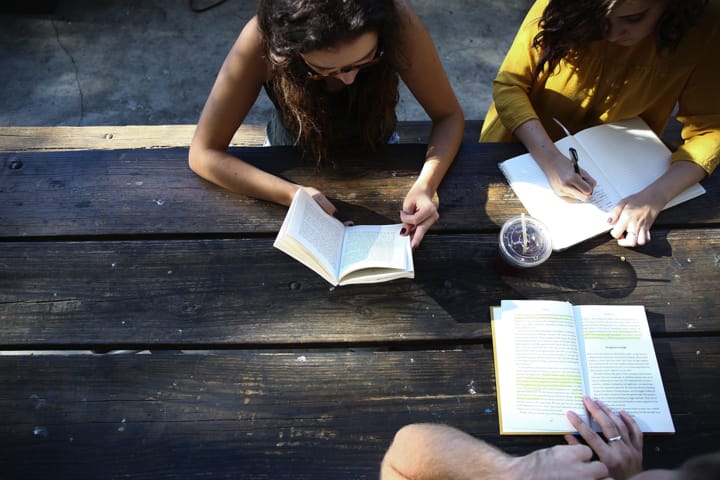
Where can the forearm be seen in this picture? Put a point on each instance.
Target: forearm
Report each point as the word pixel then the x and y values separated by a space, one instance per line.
pixel 533 135
pixel 443 145
pixel 433 452
pixel 680 175
pixel 440 452
pixel 238 176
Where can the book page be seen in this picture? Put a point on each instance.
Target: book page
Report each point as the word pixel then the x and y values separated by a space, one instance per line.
pixel 631 156
pixel 622 370
pixel 374 246
pixel 569 222
pixel 537 366
pixel 311 236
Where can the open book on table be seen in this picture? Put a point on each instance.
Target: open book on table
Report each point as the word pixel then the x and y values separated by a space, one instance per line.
pixel 623 157
pixel 549 354
pixel 340 254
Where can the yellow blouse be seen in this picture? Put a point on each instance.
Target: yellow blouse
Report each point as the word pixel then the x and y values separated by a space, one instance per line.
pixel 611 83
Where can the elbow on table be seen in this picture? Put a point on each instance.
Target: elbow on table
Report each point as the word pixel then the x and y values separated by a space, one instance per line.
pixel 197 159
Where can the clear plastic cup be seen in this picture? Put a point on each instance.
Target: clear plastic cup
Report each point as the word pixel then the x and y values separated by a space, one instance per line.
pixel 524 242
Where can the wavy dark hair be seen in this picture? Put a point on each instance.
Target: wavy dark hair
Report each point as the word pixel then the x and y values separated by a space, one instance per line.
pixel 568 25
pixel 292 27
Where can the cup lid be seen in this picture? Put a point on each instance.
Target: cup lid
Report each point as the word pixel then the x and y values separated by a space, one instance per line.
pixel 525 241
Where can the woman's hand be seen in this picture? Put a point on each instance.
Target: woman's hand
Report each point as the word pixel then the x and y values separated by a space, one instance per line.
pixel 418 214
pixel 565 182
pixel 325 204
pixel 622 451
pixel 559 169
pixel 633 217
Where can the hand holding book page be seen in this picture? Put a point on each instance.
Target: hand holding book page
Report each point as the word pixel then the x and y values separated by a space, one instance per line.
pixel 549 354
pixel 341 254
pixel 623 157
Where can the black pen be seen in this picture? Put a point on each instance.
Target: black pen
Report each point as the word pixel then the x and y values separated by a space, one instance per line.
pixel 574 155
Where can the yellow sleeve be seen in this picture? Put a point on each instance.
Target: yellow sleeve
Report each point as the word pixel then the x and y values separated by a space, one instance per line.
pixel 699 108
pixel 515 77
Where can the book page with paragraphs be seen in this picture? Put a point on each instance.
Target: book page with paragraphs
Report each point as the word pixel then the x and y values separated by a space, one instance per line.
pixel 622 370
pixel 312 237
pixel 537 362
pixel 374 246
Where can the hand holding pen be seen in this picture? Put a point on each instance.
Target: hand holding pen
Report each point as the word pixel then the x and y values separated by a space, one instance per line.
pixel 579 182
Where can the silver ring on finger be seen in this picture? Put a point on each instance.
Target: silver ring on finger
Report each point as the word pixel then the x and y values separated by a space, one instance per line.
pixel 615 439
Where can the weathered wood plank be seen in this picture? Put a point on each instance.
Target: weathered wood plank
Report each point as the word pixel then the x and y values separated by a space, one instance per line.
pixel 128 192
pixel 293 414
pixel 23 139
pixel 113 137
pixel 244 292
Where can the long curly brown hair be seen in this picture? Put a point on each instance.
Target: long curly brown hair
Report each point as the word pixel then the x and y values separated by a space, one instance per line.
pixel 292 27
pixel 568 25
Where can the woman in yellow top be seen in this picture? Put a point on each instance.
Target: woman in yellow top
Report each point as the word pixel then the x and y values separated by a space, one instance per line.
pixel 587 62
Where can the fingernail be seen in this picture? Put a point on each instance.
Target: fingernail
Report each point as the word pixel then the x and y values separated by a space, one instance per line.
pixel 609 220
pixel 403 231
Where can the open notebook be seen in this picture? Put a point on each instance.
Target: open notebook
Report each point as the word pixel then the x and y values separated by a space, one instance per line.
pixel 623 157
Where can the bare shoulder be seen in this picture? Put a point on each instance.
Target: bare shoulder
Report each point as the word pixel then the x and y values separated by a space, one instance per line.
pixel 247 52
pixel 413 32
pixel 403 6
pixel 423 72
pixel 251 35
pixel 409 19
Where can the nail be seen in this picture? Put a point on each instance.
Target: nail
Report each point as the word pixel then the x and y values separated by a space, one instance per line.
pixel 403 231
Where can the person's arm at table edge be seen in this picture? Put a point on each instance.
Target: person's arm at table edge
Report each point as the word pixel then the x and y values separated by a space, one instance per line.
pixel 428 82
pixel 693 161
pixel 435 451
pixel 236 89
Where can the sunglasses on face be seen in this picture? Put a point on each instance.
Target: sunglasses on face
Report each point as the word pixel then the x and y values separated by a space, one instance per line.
pixel 313 75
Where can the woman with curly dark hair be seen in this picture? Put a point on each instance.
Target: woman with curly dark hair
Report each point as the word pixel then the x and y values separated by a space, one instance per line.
pixel 332 70
pixel 587 62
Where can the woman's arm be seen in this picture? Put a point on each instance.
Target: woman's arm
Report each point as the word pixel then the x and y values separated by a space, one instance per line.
pixel 235 91
pixel 514 109
pixel 426 79
pixel 557 167
pixel 697 157
pixel 634 215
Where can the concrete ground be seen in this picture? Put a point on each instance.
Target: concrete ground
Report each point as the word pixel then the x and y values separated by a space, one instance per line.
pixel 133 62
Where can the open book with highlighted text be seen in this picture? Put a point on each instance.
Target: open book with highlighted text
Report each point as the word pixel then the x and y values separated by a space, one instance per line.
pixel 548 354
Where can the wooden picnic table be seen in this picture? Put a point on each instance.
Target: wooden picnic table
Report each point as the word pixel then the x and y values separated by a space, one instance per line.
pixel 149 330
